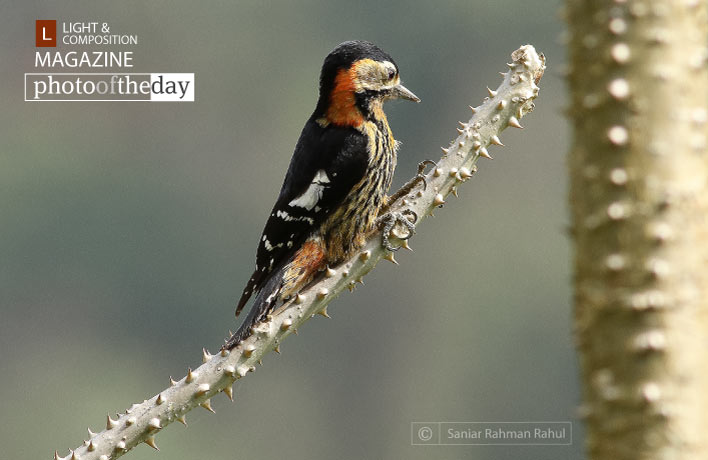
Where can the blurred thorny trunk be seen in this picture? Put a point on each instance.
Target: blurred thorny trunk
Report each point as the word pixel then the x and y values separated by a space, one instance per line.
pixel 638 76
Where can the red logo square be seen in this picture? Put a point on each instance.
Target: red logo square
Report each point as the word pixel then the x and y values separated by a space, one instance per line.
pixel 45 32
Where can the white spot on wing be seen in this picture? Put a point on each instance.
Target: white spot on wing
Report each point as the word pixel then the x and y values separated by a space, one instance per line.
pixel 288 218
pixel 310 197
pixel 269 247
pixel 321 177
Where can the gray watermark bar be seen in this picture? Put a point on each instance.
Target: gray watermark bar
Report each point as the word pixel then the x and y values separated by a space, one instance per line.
pixel 491 433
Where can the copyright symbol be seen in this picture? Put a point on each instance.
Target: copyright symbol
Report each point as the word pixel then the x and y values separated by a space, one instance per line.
pixel 425 433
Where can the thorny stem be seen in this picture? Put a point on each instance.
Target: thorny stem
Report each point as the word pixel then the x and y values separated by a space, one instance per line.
pixel 141 422
pixel 638 78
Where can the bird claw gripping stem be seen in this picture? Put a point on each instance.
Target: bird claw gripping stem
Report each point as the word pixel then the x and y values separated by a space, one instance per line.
pixel 421 168
pixel 410 185
pixel 389 220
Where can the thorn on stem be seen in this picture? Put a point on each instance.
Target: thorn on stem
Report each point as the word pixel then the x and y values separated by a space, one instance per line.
pixel 484 153
pixel 514 123
pixel 229 392
pixel 150 441
pixel 207 405
pixel 495 140
pixel 110 423
pixel 154 424
pixel 203 388
pixel 191 376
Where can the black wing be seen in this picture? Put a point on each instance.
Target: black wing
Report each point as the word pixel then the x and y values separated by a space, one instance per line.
pixel 327 163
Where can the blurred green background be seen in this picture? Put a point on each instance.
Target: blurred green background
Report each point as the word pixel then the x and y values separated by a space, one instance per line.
pixel 129 229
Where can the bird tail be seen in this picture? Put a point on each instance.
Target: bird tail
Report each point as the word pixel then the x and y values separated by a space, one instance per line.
pixel 283 282
pixel 263 304
pixel 251 286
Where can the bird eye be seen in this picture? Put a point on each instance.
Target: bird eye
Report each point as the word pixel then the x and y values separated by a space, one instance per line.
pixel 391 73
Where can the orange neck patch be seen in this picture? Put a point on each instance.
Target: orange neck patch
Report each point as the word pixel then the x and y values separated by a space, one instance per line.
pixel 342 108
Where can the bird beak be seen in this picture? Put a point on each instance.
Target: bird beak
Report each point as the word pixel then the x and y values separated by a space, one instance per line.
pixel 401 92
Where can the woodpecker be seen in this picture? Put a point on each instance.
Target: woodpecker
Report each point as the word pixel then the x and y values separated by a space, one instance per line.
pixel 336 185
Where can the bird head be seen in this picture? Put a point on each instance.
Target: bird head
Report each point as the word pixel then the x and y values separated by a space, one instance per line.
pixel 357 77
